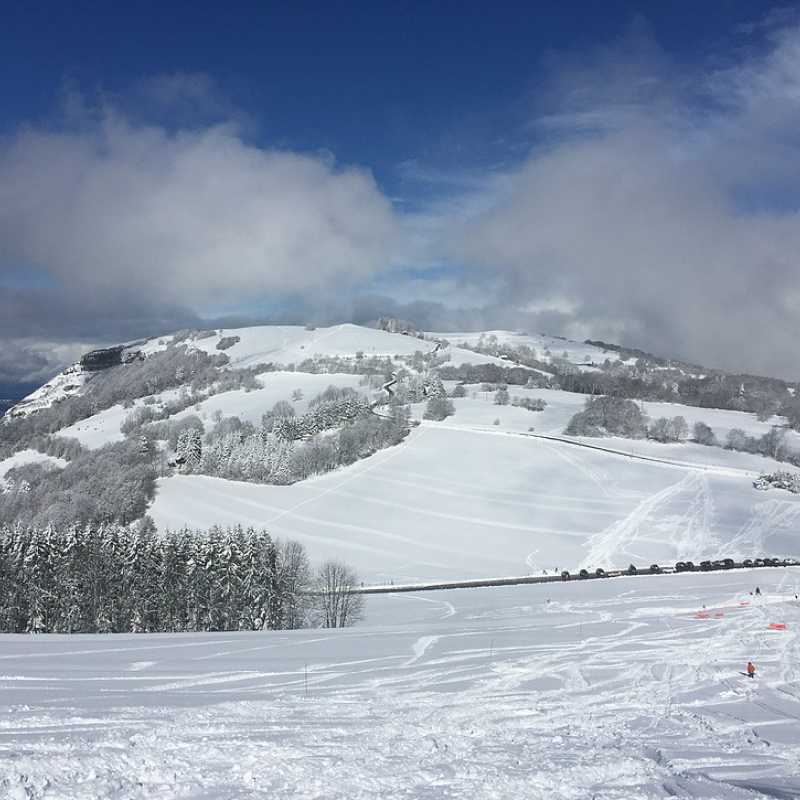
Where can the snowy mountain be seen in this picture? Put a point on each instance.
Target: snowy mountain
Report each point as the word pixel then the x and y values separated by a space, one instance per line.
pixel 495 489
pixel 629 687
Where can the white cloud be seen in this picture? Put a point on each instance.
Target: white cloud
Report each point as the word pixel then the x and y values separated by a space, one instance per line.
pixel 35 361
pixel 200 217
pixel 669 225
pixel 658 208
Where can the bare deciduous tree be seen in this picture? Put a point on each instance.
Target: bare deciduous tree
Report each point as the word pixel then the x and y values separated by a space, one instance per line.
pixel 338 605
pixel 703 434
pixel 293 579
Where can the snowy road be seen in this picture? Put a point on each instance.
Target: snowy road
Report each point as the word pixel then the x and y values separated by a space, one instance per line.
pixel 604 689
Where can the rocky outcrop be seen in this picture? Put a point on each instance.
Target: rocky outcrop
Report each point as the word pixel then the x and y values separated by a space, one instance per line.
pixel 108 357
pixel 105 358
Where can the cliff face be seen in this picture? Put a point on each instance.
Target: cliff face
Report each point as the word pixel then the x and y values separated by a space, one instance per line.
pixel 70 381
pixel 108 357
pixel 98 360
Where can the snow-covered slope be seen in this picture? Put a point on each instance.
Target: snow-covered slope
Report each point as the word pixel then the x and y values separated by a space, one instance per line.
pixel 59 388
pixel 26 457
pixel 611 689
pixel 467 498
pixel 616 689
pixel 290 344
pixel 494 490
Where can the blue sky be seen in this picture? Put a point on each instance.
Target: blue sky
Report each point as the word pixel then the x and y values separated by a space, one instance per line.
pixel 619 171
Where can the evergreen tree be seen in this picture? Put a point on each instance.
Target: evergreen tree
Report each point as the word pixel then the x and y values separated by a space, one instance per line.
pixel 109 578
pixel 439 408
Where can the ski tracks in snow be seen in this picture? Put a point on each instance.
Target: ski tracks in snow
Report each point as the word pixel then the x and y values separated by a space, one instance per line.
pixel 593 695
pixel 766 517
pixel 688 528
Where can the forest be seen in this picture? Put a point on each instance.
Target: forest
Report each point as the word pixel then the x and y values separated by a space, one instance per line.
pixel 117 579
pixel 116 482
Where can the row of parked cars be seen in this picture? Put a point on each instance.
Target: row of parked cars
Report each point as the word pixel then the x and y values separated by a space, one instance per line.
pixel 654 569
pixel 771 562
pixel 687 566
pixel 705 566
pixel 728 563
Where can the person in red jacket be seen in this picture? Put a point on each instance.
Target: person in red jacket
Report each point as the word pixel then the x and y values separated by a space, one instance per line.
pixel 751 670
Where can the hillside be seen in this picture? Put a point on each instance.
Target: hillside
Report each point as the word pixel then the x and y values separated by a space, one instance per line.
pixel 495 489
pixel 618 688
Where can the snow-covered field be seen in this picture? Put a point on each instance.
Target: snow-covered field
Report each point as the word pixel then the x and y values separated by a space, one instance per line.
pixel 599 689
pixel 626 688
pixel 467 498
pixel 26 457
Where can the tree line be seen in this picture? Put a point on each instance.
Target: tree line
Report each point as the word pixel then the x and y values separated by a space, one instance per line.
pixel 288 448
pixel 634 375
pixel 115 579
pixel 617 416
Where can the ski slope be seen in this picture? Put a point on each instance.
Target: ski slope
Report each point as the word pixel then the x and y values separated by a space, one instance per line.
pixel 610 689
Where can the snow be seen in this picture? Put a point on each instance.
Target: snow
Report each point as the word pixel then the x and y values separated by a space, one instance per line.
pixel 288 344
pixel 62 386
pixel 466 499
pixel 250 406
pixel 27 456
pixel 610 689
pixel 99 429
pixel 620 689
pixel 577 352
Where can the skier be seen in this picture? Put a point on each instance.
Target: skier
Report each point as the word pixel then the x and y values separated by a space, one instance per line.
pixel 758 591
pixel 751 670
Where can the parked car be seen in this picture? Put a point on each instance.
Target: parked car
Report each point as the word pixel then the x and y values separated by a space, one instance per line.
pixel 748 562
pixel 632 570
pixel 655 569
pixel 583 573
pixel 600 572
pixel 565 575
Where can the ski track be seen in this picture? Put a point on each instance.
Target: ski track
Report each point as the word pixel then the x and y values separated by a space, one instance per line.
pixel 690 532
pixel 574 460
pixel 378 460
pixel 767 517
pixel 593 692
